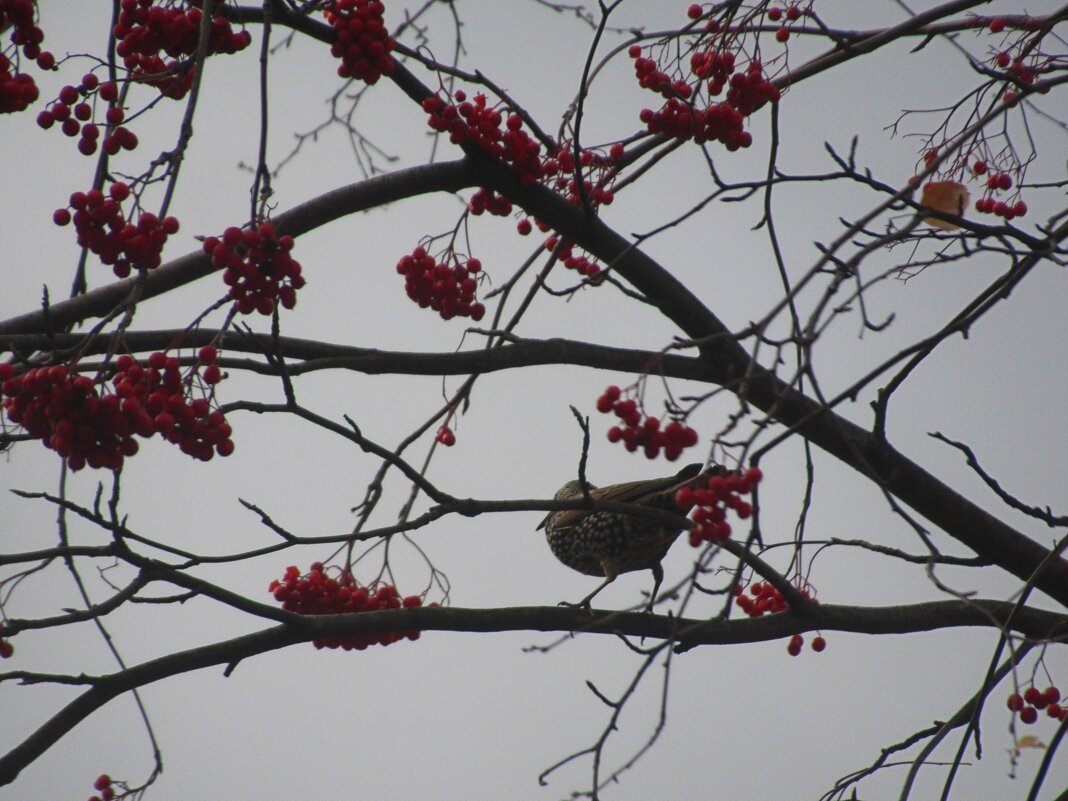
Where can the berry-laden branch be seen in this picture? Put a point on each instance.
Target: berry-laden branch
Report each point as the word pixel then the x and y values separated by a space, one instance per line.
pixel 873 456
pixel 330 206
pixel 1034 623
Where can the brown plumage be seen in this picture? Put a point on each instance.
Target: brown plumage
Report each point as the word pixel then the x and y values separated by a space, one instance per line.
pixel 606 544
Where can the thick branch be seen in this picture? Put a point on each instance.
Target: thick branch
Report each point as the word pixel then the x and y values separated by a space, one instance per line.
pixel 963 520
pixel 887 620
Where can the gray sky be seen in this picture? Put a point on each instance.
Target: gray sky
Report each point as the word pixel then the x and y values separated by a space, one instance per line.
pixel 477 716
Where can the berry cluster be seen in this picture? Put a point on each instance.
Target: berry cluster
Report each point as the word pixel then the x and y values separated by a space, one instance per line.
pixel 17 89
pixel 722 492
pixel 362 41
pixel 103 229
pixel 679 118
pixel 651 77
pixel 448 287
pixel 646 433
pixel 559 173
pixel 70 416
pixel 487 200
pixel 796 641
pixel 165 396
pixel 144 30
pixel 258 268
pixel 1034 699
pixel 776 14
pixel 7 650
pixel 446 437
pixel 87 424
pixel 763 599
pixel 581 264
pixel 997 182
pixel 475 123
pixel 316 593
pixel 74 113
pixel 105 786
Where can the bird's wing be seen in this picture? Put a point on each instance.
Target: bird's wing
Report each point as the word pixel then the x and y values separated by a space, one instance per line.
pixel 635 491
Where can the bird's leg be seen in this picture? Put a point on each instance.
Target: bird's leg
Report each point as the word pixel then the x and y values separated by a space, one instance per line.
pixel 658 579
pixel 609 577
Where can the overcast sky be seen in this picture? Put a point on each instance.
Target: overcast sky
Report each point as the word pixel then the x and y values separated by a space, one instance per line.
pixel 478 717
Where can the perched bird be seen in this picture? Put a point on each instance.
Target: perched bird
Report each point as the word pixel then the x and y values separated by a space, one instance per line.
pixel 606 544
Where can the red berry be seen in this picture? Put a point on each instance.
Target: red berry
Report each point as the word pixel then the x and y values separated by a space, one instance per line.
pixel 102 782
pixel 694 11
pixel 782 35
pixel 774 14
pixel 1015 702
pixel 997 25
pixel 794 646
pixel 61 217
pixel 6 649
pixel 1028 714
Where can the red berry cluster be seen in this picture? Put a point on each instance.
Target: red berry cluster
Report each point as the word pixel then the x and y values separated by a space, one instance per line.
pixel 1034 699
pixel 651 77
pixel 446 437
pixel 103 229
pixel 475 123
pixel 105 786
pixel 448 287
pixel 775 14
pixel 74 113
pixel 316 593
pixel 721 493
pixel 86 424
pixel 575 261
pixel 646 433
pixel 258 268
pixel 997 182
pixel 70 416
pixel 7 650
pixel 680 119
pixel 1019 70
pixel 796 641
pixel 17 89
pixel 165 396
pixel 599 172
pixel 362 41
pixel 487 200
pixel 144 30
pixel 763 599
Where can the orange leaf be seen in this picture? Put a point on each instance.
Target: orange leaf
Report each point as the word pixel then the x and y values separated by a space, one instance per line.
pixel 949 197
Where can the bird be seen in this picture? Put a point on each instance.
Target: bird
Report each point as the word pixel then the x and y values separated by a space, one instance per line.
pixel 606 544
